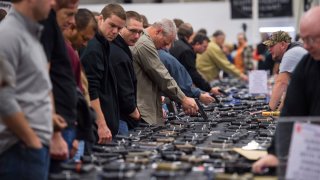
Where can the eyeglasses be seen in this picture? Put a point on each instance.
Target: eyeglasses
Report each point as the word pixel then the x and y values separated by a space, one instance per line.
pixel 310 40
pixel 135 31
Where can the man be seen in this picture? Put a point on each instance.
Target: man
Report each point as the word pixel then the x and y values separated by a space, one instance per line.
pixel 121 59
pixel 263 56
pixel 213 60
pixel 64 86
pixel 302 97
pixel 181 75
pixel 86 28
pixel 101 76
pixel 77 36
pixel 243 57
pixel 26 109
pixel 187 53
pixel 153 78
pixel 289 54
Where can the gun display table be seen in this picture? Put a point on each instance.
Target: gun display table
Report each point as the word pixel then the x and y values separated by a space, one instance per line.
pixel 198 147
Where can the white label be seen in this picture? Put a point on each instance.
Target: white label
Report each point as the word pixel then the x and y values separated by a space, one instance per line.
pixel 258 82
pixel 304 153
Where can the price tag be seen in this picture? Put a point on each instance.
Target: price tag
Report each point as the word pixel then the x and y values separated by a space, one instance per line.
pixel 258 82
pixel 304 153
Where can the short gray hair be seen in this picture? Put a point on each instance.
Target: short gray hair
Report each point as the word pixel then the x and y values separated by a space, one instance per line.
pixel 167 25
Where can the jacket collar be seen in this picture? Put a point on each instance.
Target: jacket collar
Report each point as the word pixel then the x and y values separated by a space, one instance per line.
pixel 185 42
pixel 120 42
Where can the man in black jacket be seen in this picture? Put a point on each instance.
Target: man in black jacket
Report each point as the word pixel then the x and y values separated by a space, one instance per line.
pixel 63 83
pixel 121 59
pixel 100 74
pixel 186 54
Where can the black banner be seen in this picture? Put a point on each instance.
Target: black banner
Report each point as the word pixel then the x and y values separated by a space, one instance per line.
pixel 241 9
pixel 267 8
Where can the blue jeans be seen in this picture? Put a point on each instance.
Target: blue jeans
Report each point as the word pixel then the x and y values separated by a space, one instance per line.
pixel 20 161
pixel 80 151
pixel 69 135
pixel 123 128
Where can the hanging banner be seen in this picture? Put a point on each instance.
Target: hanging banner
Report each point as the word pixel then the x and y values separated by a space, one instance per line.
pixel 241 9
pixel 267 8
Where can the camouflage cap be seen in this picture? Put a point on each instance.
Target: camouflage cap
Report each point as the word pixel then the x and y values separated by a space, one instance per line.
pixel 279 36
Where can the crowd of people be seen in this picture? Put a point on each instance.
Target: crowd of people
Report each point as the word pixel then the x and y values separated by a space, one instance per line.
pixel 71 78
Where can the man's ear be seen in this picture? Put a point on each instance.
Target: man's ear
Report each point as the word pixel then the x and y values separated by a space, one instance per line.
pixel 100 18
pixel 159 31
pixel 283 44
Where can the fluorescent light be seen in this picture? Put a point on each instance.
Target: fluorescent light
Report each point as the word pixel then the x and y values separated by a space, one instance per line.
pixel 274 29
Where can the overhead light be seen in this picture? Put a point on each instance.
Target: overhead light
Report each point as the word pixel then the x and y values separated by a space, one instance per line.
pixel 274 29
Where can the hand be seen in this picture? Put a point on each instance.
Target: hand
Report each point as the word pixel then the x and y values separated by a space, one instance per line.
pixel 244 77
pixel 104 133
pixel 135 115
pixel 75 145
pixel 215 91
pixel 206 98
pixel 164 114
pixel 58 147
pixel 262 58
pixel 58 122
pixel 35 143
pixel 272 107
pixel 266 161
pixel 189 106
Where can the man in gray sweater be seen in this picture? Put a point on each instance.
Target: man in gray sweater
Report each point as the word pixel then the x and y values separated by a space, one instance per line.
pixel 25 109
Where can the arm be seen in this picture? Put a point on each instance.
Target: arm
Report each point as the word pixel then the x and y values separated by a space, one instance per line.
pixel 58 146
pixel 179 74
pixel 126 88
pixel 18 124
pixel 11 114
pixel 220 59
pixel 104 132
pixel 148 59
pixel 135 114
pixel 279 88
pixel 92 62
pixel 297 97
pixel 188 61
pixel 269 160
pixel 58 121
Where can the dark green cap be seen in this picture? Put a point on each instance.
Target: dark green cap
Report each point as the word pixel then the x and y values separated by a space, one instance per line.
pixel 279 36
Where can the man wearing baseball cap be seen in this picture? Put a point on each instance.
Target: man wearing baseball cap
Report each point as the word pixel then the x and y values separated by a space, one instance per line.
pixel 288 54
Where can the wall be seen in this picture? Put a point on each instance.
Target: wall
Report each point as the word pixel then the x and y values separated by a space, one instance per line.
pixel 209 15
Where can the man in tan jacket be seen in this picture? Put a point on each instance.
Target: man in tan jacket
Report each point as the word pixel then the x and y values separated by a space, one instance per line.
pixel 213 60
pixel 153 78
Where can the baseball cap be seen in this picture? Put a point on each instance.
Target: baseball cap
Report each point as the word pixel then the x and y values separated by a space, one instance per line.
pixel 279 36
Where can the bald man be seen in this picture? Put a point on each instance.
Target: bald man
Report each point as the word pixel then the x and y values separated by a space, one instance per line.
pixel 302 97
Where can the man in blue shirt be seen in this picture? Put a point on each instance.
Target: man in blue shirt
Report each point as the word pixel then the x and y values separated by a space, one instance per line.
pixel 182 77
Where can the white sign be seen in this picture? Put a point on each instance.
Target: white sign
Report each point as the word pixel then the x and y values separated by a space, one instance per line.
pixel 258 82
pixel 304 153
